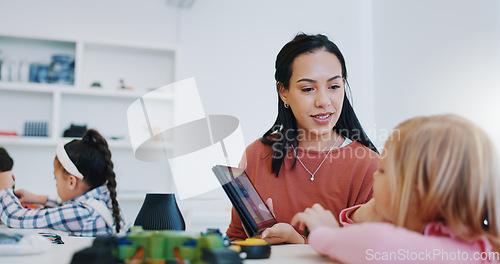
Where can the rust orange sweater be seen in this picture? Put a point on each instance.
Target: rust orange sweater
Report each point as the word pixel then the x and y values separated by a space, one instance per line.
pixel 345 179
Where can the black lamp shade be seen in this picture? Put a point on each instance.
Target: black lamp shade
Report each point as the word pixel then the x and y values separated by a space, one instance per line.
pixel 160 212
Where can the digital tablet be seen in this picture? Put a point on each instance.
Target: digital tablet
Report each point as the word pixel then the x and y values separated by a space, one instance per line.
pixel 252 210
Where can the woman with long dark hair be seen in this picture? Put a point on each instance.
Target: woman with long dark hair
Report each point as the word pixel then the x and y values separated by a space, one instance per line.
pixel 316 151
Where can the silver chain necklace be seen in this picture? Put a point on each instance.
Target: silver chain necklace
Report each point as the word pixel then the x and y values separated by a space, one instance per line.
pixel 312 174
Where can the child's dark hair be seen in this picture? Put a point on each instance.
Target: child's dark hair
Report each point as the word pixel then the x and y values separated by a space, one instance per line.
pixel 6 162
pixel 92 158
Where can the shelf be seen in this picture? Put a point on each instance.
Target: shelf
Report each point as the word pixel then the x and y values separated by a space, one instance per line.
pixel 73 90
pixel 28 141
pixel 52 142
pixel 128 44
pixel 36 38
pixel 33 87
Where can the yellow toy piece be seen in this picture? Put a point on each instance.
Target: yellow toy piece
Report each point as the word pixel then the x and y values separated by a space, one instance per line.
pixel 252 248
pixel 251 242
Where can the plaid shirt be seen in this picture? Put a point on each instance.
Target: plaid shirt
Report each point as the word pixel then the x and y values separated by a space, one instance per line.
pixel 74 216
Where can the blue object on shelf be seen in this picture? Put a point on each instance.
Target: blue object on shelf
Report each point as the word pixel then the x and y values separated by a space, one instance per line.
pixel 61 69
pixel 43 73
pixel 38 73
pixel 33 77
pixel 36 129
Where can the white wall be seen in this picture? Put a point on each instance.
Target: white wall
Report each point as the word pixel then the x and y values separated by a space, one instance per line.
pixel 152 21
pixel 433 57
pixel 230 48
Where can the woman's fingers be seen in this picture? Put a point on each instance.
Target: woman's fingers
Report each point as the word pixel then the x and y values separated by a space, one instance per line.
pixel 269 203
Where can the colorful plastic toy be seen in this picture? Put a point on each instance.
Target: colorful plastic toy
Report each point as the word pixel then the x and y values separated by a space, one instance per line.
pixel 166 246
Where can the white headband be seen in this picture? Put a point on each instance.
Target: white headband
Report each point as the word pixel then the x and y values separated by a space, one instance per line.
pixel 66 162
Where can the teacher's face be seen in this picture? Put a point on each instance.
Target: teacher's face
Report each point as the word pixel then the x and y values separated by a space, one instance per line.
pixel 315 93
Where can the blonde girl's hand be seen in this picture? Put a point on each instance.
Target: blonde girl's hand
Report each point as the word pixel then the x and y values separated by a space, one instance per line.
pixel 6 180
pixel 282 233
pixel 29 197
pixel 314 217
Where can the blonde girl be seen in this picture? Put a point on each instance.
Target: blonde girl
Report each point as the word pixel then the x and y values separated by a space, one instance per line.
pixel 437 192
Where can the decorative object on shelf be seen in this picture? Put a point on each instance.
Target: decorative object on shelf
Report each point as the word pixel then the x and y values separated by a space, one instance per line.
pixel 8 133
pixel 13 70
pixel 123 86
pixel 160 212
pixel 23 71
pixel 75 131
pixel 33 77
pixel 96 85
pixel 38 73
pixel 6 70
pixel 35 129
pixel 61 69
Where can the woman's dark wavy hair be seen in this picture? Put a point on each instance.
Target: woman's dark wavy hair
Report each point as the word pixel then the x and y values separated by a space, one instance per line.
pixel 92 158
pixel 284 131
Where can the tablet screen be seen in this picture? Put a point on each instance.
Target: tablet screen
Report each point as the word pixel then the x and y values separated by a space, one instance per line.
pixel 236 183
pixel 251 199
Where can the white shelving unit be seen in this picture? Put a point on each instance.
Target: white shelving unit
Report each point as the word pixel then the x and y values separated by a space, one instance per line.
pixel 142 66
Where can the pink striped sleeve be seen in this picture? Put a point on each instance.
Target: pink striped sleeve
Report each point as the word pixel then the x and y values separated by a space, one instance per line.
pixel 344 216
pixel 386 243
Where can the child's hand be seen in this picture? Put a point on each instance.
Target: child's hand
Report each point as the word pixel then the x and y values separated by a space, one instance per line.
pixel 282 233
pixel 313 218
pixel 29 197
pixel 6 180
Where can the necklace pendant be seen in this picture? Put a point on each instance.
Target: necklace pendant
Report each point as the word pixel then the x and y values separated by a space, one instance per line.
pixel 312 178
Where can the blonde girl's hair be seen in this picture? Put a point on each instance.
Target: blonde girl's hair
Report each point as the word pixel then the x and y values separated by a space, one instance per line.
pixel 446 167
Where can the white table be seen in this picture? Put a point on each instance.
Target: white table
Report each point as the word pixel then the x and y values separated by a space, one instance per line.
pixel 56 254
pixel 63 253
pixel 291 254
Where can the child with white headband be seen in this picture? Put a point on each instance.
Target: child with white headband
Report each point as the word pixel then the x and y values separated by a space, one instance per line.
pixel 86 187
